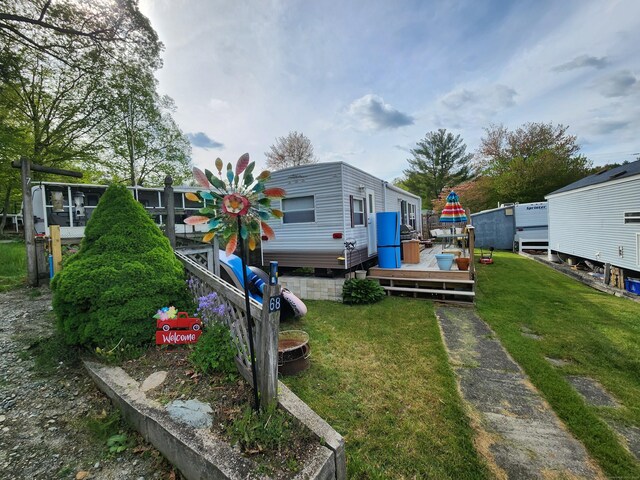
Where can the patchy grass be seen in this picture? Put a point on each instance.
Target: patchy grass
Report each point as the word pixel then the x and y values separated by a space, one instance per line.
pixel 595 332
pixel 379 375
pixel 13 265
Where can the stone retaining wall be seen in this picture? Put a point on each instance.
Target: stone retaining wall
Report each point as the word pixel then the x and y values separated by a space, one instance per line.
pixel 200 455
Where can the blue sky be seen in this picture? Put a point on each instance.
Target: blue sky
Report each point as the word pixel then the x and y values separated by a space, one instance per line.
pixel 366 80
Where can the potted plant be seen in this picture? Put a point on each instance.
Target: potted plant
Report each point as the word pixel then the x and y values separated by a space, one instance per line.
pixel 462 263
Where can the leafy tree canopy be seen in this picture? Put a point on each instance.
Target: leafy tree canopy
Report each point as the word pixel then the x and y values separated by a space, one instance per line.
pixel 531 161
pixel 69 30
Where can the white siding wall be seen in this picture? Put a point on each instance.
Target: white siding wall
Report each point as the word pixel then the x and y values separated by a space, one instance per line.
pixel 591 221
pixel 393 198
pixel 352 179
pixel 323 181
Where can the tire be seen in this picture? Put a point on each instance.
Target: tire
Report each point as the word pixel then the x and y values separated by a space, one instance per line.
pixel 196 327
pixel 165 327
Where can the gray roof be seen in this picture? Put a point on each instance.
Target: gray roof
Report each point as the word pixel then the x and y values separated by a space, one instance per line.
pixel 627 170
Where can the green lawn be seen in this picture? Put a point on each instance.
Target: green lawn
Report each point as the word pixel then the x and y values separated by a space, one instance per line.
pixel 599 335
pixel 379 375
pixel 13 265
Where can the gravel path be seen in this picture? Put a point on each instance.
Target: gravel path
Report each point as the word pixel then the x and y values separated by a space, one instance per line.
pixel 43 420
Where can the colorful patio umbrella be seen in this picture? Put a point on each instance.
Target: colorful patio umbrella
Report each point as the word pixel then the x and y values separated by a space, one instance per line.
pixel 453 211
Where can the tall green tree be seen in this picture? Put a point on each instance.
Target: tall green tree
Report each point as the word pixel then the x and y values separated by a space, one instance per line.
pixel 439 160
pixel 145 143
pixel 531 161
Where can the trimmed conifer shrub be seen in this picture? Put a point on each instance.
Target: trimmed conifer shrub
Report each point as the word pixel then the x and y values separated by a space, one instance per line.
pixel 124 271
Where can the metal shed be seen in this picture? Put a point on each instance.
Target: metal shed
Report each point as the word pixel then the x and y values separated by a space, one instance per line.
pixel 495 228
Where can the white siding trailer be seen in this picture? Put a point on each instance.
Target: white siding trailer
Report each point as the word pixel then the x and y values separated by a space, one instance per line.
pixel 326 205
pixel 598 218
pixel 70 206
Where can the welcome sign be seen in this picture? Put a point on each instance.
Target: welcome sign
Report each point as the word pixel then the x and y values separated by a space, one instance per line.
pixel 177 337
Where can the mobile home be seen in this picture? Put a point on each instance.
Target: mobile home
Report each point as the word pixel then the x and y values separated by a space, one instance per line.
pixel 70 205
pixel 327 205
pixel 598 218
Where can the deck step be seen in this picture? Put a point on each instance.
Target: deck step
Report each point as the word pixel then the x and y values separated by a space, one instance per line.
pixel 430 290
pixel 430 280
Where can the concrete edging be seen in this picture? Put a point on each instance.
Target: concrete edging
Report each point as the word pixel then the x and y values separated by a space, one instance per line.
pixel 199 454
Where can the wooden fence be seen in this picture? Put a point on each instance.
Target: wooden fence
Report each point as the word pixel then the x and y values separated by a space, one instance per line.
pixel 266 324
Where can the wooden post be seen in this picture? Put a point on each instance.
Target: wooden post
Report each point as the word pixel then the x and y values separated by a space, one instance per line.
pixel 607 273
pixel 268 346
pixel 56 247
pixel 27 219
pixel 472 242
pixel 169 203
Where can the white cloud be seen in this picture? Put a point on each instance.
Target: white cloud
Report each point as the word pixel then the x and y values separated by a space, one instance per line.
pixel 373 113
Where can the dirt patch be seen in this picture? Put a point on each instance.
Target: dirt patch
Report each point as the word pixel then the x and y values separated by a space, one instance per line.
pixel 50 419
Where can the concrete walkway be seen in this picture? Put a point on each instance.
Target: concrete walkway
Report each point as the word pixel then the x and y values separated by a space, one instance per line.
pixel 516 430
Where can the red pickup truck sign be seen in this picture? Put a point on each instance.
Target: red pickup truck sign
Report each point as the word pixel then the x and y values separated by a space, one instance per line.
pixel 180 330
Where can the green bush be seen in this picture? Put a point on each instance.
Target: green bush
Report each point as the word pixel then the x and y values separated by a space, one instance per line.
pixel 215 351
pixel 358 291
pixel 264 430
pixel 124 271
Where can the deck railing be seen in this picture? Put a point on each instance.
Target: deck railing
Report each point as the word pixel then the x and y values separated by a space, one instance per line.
pixel 266 324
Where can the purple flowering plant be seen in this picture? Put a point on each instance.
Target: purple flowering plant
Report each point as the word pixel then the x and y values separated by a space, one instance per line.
pixel 211 309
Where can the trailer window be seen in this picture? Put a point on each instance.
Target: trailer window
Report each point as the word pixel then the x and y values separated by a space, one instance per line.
pixel 357 207
pixel 299 210
pixel 631 217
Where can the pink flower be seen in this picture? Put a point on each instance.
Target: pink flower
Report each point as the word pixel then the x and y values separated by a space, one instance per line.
pixel 235 204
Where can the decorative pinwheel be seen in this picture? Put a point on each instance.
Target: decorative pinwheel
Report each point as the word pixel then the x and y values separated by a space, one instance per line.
pixel 236 207
pixel 232 197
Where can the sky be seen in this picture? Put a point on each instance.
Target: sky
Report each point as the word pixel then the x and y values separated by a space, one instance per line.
pixel 366 80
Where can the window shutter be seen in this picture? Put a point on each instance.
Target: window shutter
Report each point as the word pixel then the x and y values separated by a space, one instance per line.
pixel 365 211
pixel 351 208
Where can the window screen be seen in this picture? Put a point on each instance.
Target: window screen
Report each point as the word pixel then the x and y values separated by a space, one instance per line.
pixel 298 210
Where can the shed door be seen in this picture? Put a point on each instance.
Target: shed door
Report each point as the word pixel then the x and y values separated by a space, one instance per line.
pixel 372 244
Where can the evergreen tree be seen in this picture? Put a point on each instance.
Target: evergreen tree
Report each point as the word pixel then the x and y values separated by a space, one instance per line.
pixel 123 273
pixel 439 160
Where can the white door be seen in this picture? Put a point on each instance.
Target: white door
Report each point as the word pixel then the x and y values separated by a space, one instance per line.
pixel 372 242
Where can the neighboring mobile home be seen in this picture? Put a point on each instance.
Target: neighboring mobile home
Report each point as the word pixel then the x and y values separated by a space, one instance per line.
pixel 326 205
pixel 508 226
pixel 70 205
pixel 598 218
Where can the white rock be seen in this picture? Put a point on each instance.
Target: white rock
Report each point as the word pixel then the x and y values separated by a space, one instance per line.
pixel 154 380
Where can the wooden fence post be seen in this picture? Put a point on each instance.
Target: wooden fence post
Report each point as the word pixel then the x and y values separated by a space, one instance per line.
pixel 56 247
pixel 472 243
pixel 267 341
pixel 169 205
pixel 28 224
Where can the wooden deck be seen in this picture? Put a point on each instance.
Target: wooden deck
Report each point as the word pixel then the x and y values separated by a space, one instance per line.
pixel 426 280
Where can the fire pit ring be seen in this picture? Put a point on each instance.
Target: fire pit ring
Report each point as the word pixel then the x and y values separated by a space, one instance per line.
pixel 293 352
